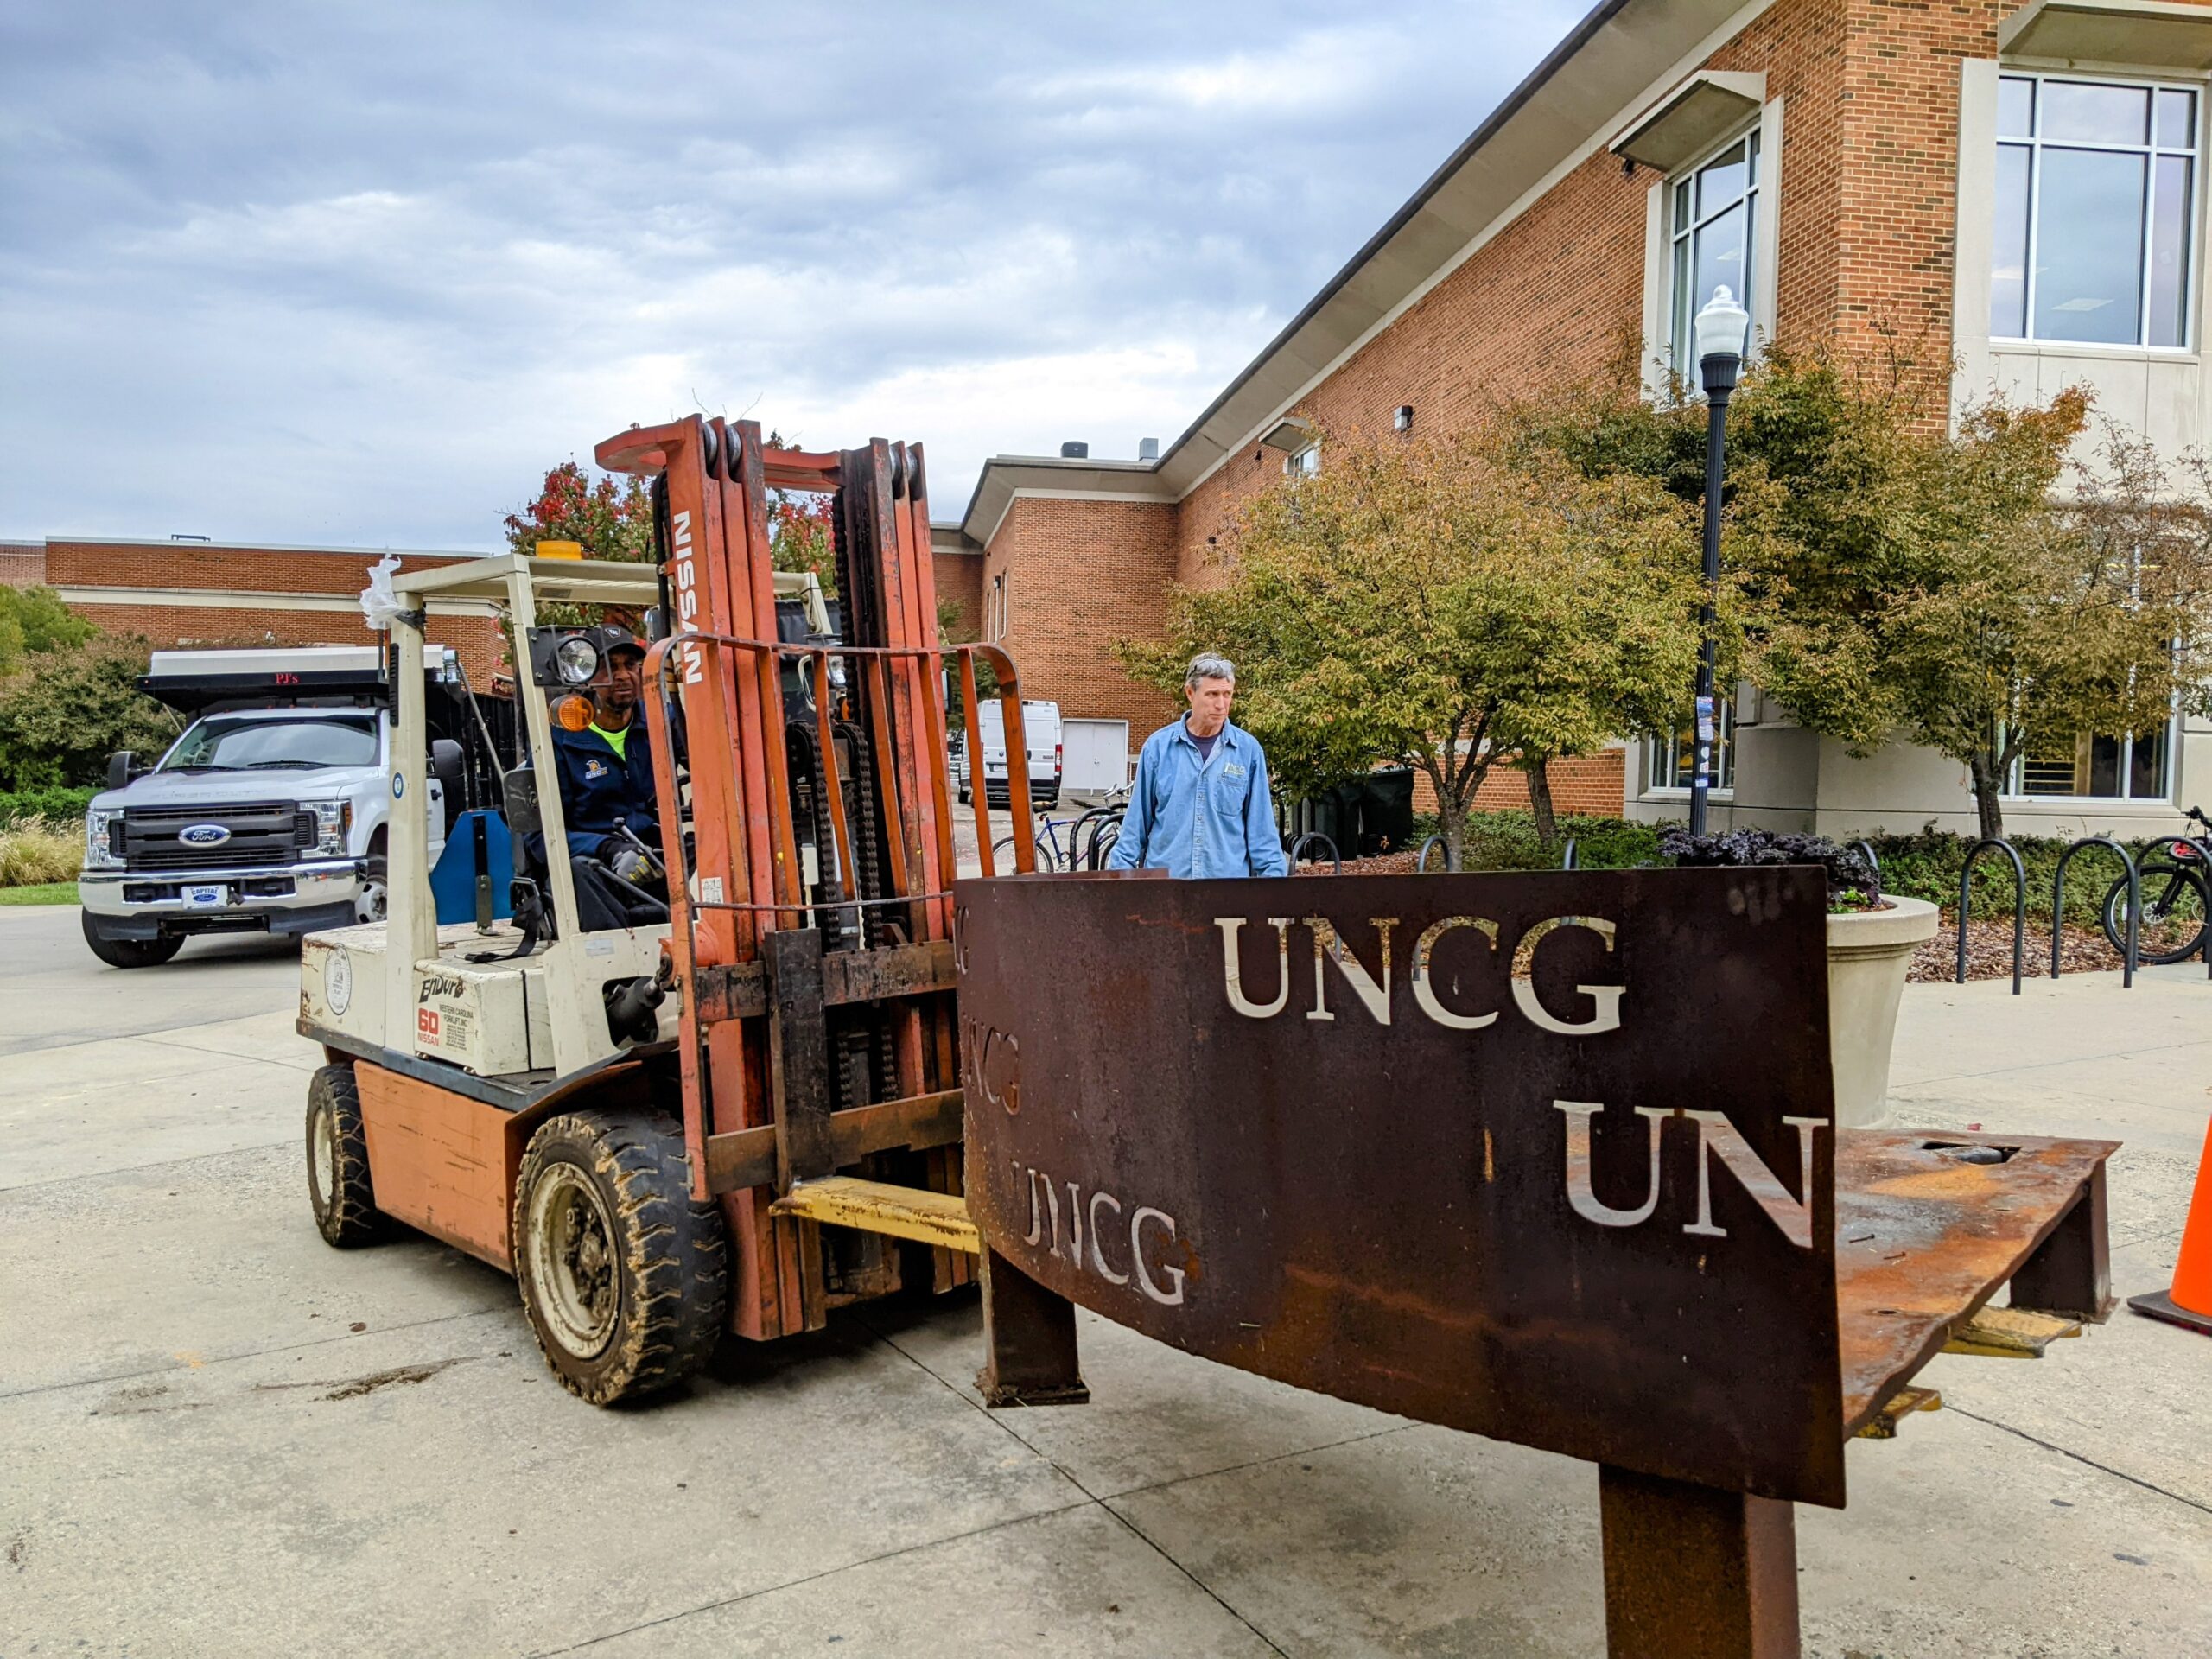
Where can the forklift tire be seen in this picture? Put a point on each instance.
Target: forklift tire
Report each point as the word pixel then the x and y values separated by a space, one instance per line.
pixel 344 1202
pixel 131 953
pixel 625 1279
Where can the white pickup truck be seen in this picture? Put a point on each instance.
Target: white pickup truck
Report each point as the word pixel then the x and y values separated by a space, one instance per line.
pixel 268 814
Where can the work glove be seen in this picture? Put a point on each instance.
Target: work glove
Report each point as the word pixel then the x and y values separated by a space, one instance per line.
pixel 631 864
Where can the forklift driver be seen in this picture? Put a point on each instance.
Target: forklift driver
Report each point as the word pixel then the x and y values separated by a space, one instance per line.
pixel 606 770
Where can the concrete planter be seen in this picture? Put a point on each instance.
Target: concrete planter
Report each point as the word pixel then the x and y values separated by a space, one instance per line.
pixel 1868 954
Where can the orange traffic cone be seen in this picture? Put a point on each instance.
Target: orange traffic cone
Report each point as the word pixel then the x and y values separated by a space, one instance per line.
pixel 2189 1302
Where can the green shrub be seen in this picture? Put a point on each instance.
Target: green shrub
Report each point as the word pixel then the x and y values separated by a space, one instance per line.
pixel 36 851
pixel 57 804
pixel 1507 841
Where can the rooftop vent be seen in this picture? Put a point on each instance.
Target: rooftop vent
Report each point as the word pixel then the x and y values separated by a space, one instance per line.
pixel 1075 449
pixel 1147 449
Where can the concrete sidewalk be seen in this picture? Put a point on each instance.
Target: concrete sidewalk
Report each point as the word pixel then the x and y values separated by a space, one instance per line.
pixel 223 1437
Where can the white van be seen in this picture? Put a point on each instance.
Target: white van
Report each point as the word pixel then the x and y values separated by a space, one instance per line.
pixel 1041 724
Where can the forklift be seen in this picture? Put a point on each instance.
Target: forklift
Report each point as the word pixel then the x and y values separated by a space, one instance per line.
pixel 722 1092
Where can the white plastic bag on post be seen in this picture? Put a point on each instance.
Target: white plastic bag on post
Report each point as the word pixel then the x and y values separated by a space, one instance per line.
pixel 379 603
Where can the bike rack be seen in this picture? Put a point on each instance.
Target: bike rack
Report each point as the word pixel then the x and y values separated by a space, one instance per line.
pixel 2058 905
pixel 1297 846
pixel 1079 855
pixel 2203 845
pixel 1421 860
pixel 2020 903
pixel 1875 864
pixel 1567 858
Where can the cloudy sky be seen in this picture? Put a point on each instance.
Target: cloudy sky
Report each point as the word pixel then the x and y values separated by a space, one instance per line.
pixel 298 271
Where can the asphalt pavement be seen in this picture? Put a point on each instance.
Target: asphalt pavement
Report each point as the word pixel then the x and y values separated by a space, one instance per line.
pixel 223 1437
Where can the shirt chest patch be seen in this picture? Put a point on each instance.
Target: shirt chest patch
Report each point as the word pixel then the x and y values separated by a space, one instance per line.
pixel 597 769
pixel 1232 768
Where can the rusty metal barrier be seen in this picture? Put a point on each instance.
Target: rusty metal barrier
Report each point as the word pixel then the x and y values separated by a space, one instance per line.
pixel 1518 1204
pixel 2134 903
pixel 2019 902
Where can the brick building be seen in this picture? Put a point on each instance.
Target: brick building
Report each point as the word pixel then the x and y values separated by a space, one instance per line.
pixel 183 593
pixel 2016 187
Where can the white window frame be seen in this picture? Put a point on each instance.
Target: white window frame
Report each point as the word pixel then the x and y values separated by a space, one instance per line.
pixel 1662 374
pixel 1660 747
pixel 2152 149
pixel 1682 317
pixel 2016 791
pixel 1303 463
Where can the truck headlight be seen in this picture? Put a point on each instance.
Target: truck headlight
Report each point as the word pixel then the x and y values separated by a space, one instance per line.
pixel 101 826
pixel 332 820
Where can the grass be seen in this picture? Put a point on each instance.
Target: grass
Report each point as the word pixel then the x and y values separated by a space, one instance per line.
pixel 45 892
pixel 41 853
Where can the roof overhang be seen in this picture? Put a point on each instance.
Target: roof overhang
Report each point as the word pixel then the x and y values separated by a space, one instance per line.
pixel 2141 33
pixel 1692 118
pixel 1572 101
pixel 1007 476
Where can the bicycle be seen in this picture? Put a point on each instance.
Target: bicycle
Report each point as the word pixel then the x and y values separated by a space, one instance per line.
pixel 2169 927
pixel 1049 855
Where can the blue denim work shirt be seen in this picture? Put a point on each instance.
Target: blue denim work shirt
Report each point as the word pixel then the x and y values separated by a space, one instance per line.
pixel 1197 817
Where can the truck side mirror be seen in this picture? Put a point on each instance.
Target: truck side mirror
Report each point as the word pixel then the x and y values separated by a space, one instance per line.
pixel 519 788
pixel 120 771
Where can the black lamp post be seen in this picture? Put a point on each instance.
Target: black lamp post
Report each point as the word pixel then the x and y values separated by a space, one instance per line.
pixel 1721 328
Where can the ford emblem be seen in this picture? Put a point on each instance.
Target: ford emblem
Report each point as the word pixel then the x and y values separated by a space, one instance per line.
pixel 203 835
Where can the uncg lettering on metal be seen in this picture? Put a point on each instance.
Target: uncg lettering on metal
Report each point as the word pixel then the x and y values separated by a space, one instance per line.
pixel 1545 1157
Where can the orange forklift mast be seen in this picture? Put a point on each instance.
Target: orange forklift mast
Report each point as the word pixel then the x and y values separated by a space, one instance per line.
pixel 806 812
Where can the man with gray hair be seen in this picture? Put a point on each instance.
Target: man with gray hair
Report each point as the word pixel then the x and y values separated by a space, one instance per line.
pixel 1199 806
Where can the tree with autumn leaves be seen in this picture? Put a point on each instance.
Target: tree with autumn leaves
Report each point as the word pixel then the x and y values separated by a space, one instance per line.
pixel 1979 586
pixel 610 515
pixel 1454 603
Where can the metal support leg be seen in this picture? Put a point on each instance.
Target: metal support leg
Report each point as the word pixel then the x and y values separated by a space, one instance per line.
pixel 2070 1272
pixel 1028 1341
pixel 1691 1570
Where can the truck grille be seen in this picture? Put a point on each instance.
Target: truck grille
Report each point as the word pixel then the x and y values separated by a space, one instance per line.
pixel 261 832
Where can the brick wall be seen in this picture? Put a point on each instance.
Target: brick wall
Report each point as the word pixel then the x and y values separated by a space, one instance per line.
pixel 1594 786
pixel 1081 575
pixel 960 579
pixel 22 564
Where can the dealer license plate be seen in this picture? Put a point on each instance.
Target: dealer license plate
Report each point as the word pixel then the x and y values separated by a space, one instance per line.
pixel 204 897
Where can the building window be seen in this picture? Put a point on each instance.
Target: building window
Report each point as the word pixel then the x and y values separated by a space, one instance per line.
pixel 1712 216
pixel 1673 755
pixel 1305 463
pixel 2134 767
pixel 2095 211
pixel 995 618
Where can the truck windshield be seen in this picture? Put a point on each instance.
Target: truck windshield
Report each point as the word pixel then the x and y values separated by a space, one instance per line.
pixel 220 744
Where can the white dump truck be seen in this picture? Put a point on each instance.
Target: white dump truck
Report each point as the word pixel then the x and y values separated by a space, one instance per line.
pixel 270 813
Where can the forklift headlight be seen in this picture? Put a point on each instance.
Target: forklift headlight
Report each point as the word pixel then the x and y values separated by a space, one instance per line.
pixel 332 820
pixel 100 824
pixel 576 660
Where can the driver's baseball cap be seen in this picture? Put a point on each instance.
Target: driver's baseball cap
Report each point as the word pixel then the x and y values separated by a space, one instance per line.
pixel 613 639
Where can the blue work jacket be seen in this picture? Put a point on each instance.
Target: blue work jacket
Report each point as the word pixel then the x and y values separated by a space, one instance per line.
pixel 601 790
pixel 1196 818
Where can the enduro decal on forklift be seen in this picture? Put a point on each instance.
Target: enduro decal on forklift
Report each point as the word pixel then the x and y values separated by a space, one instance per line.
pixel 687 593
